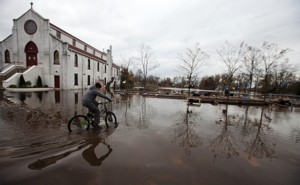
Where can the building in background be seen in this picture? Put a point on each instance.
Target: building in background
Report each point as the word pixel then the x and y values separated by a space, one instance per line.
pixel 37 47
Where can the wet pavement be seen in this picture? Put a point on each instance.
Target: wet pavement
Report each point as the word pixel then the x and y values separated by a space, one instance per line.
pixel 158 141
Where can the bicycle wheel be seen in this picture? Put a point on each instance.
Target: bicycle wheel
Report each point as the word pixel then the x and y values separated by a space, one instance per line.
pixel 111 120
pixel 78 123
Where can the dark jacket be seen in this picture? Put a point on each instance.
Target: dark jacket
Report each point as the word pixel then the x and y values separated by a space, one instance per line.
pixel 91 94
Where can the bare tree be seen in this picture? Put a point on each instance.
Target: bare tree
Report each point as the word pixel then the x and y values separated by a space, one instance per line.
pixel 252 57
pixel 232 57
pixel 147 61
pixel 283 76
pixel 192 60
pixel 271 55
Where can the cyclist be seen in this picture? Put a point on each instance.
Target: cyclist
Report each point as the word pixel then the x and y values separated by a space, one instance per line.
pixel 89 101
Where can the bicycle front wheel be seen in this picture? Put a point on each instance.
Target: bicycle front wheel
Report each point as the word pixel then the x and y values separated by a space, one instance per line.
pixel 111 120
pixel 78 123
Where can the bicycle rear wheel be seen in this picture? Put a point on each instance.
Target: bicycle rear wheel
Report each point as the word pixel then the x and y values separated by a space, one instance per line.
pixel 111 120
pixel 78 123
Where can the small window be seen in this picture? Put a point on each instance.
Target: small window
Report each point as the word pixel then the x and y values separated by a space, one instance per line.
pixel 85 47
pixel 89 64
pixel 75 60
pixel 56 57
pixel 74 42
pixel 75 79
pixel 89 80
pixel 58 34
pixel 7 56
pixel 94 52
pixel 98 66
pixel 105 69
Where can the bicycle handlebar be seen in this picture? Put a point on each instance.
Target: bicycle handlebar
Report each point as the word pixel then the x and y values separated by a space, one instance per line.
pixel 105 102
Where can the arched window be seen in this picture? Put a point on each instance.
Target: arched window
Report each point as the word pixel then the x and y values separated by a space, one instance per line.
pixel 7 56
pixel 76 61
pixel 56 57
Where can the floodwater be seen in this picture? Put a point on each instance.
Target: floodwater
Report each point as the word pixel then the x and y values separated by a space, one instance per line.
pixel 158 141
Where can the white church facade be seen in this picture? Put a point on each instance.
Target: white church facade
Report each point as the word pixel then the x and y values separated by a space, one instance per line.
pixel 37 48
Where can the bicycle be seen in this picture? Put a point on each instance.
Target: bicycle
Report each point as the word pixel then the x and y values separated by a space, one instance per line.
pixel 83 122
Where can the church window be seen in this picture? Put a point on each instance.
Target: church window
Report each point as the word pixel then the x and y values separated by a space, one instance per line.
pixel 105 69
pixel 75 79
pixel 76 60
pixel 98 66
pixel 74 42
pixel 85 47
pixel 7 56
pixel 89 80
pixel 89 64
pixel 56 57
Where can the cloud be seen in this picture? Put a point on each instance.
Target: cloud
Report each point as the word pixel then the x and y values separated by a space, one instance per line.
pixel 169 26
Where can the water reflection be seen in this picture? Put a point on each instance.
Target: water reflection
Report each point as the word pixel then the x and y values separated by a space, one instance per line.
pixel 185 133
pixel 260 146
pixel 137 116
pixel 39 96
pixel 89 144
pixel 174 140
pixel 225 143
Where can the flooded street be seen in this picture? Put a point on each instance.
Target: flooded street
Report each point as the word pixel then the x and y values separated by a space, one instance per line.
pixel 158 141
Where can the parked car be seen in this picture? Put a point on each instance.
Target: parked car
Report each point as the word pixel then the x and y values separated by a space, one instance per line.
pixel 196 93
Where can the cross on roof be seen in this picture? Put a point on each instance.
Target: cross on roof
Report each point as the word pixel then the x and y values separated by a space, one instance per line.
pixel 31 4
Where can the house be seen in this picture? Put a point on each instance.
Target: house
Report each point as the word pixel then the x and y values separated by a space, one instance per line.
pixel 37 48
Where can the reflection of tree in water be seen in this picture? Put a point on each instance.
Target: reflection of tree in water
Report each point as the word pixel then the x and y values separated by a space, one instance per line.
pixel 246 123
pixel 185 133
pixel 260 146
pixel 23 95
pixel 89 154
pixel 137 116
pixel 296 134
pixel 39 94
pixel 224 143
pixel 125 105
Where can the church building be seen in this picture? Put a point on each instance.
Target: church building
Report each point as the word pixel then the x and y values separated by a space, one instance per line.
pixel 39 49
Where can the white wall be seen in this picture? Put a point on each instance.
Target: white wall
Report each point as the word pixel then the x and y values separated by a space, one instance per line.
pixel 47 42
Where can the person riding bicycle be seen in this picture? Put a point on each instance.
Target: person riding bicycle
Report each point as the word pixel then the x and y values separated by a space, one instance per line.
pixel 89 101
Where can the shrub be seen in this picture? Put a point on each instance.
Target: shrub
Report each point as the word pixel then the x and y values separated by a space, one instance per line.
pixel 39 82
pixel 22 82
pixel 12 86
pixel 28 83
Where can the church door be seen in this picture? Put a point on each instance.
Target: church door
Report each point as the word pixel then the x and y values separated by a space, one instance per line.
pixel 31 51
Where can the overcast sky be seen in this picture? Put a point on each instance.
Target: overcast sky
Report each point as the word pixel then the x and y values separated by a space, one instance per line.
pixel 168 26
